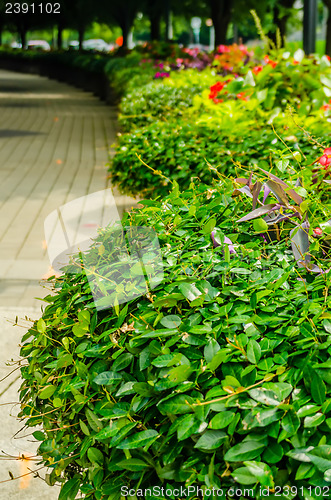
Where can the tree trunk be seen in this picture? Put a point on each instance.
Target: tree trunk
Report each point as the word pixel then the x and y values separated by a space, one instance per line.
pixel 328 35
pixel 81 32
pixel 280 22
pixel 167 17
pixel 59 37
pixel 23 37
pixel 125 27
pixel 155 20
pixel 221 12
pixel 327 3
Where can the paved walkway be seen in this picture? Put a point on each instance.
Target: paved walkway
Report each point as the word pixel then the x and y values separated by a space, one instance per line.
pixel 54 144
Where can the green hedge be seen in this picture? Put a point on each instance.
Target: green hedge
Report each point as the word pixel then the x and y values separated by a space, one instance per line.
pixel 217 378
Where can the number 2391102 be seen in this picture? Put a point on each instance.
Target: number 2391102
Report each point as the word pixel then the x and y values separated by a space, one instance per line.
pixel 33 8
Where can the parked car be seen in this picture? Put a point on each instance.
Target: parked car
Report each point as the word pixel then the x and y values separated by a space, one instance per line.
pixel 16 45
pixel 38 45
pixel 94 45
pixel 73 45
pixel 98 45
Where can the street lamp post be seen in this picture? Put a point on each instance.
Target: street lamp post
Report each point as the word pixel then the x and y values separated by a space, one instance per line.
pixel 309 25
pixel 196 25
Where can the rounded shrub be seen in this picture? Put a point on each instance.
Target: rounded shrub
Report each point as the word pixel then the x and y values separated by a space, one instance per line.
pixel 217 378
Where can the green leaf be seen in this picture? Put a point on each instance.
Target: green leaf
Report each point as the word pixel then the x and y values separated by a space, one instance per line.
pixel 253 351
pixel 40 436
pixel 314 420
pixel 282 165
pixel 84 316
pixel 122 362
pixel 139 440
pixel 176 405
pixel 299 55
pixel 249 79
pixel 107 432
pixel 47 392
pixel 189 290
pixel 325 80
pixel 273 453
pixel 80 330
pixel 84 428
pixel 327 475
pixel 188 426
pixel 242 475
pixel 221 420
pixel 247 450
pixel 262 472
pixel 211 440
pixel 318 390
pixel 41 325
pixel 290 422
pixel 133 464
pixel 69 489
pixel 321 457
pixel 180 373
pixel 171 321
pixel 211 349
pixel 106 378
pixel 95 456
pixel 93 420
pixel 219 358
pixel 260 225
pixel 118 437
pixel 209 226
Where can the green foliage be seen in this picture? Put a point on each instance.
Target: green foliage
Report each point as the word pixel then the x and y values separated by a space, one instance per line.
pixel 219 377
pixel 155 101
pixel 181 150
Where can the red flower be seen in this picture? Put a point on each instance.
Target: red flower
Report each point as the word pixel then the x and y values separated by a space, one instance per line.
pixel 295 62
pixel 217 87
pixel 328 57
pixel 269 61
pixel 242 96
pixel 325 159
pixel 318 231
pixel 257 69
pixel 214 91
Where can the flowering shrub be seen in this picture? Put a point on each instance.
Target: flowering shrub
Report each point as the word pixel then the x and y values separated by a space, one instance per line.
pixel 231 58
pixel 225 107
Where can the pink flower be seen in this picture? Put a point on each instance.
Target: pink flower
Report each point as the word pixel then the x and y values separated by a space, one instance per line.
pixel 223 48
pixel 161 75
pixel 318 231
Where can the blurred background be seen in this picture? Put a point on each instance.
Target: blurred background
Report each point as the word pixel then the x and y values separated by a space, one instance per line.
pixel 107 24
